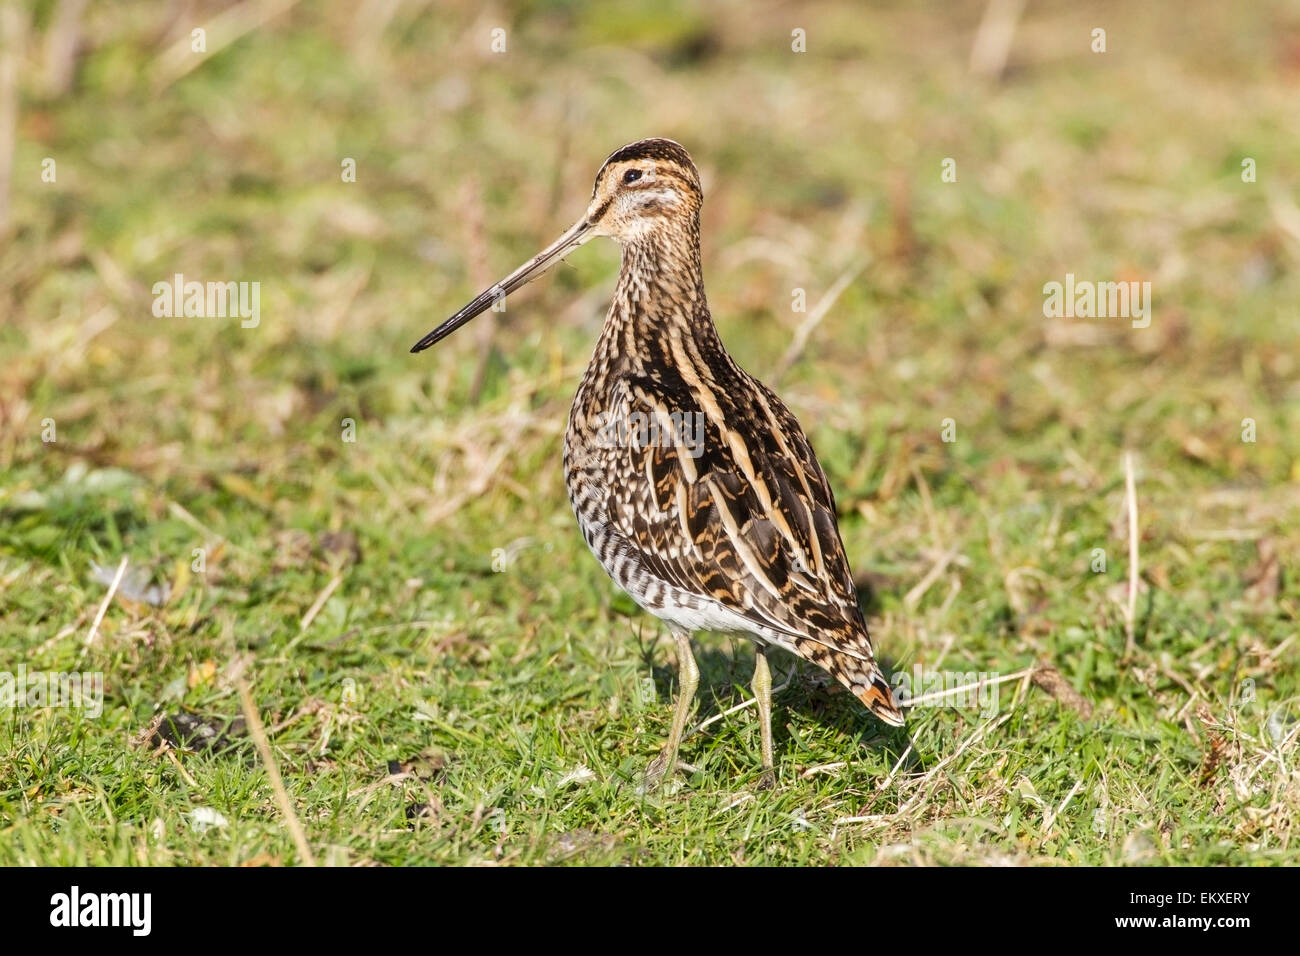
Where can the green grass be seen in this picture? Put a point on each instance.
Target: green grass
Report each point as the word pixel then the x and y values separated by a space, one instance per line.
pixel 522 705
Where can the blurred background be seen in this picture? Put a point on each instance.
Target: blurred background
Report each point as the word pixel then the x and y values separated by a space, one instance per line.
pixel 372 165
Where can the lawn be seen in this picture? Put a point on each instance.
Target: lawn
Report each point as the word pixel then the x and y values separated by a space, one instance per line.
pixel 378 546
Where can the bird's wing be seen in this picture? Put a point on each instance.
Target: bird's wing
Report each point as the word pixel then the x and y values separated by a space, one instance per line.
pixel 735 506
pixel 723 498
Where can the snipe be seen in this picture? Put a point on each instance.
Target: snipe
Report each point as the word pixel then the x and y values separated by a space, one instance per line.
pixel 692 482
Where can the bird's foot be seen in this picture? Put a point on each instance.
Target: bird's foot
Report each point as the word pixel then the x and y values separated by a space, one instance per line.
pixel 658 778
pixel 655 773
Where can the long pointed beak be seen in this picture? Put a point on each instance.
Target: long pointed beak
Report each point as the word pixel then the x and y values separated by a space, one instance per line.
pixel 530 270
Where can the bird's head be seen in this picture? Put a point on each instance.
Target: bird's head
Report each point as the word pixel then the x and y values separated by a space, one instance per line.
pixel 645 187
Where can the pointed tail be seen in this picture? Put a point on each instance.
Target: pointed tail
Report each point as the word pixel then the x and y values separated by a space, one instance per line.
pixel 869 686
pixel 858 672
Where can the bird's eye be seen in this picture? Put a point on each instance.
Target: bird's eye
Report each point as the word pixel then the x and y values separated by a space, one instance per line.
pixel 631 176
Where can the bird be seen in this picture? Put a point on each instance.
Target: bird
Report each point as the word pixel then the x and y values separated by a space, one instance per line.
pixel 692 482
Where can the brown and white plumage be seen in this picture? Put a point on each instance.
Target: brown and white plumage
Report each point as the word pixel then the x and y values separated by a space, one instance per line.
pixel 692 482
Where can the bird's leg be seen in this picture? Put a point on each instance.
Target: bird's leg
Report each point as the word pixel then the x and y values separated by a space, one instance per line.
pixel 688 679
pixel 761 685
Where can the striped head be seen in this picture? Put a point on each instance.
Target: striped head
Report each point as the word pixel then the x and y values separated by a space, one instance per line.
pixel 647 191
pixel 644 187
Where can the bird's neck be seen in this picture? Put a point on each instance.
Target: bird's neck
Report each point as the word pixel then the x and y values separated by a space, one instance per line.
pixel 659 296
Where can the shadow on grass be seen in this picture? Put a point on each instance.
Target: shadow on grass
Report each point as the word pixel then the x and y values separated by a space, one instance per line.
pixel 798 687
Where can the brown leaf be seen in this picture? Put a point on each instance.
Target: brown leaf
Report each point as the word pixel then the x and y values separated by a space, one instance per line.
pixel 1215 748
pixel 340 547
pixel 1197 448
pixel 1050 680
